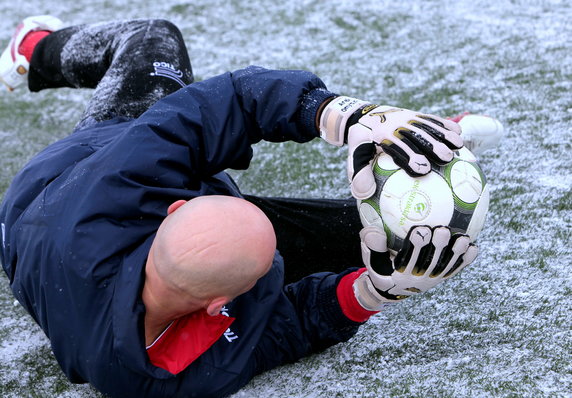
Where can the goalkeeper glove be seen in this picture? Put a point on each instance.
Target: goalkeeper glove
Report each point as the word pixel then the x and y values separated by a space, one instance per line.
pixel 412 139
pixel 429 256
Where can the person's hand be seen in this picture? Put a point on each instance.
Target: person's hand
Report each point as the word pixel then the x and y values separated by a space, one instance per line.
pixel 412 139
pixel 429 256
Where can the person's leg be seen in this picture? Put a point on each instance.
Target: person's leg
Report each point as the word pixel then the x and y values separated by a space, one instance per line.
pixel 314 235
pixel 130 64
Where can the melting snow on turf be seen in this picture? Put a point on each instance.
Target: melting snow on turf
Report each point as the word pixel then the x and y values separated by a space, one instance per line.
pixel 502 327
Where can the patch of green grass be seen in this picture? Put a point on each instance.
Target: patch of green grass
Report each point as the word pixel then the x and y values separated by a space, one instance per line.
pixel 182 9
pixel 564 202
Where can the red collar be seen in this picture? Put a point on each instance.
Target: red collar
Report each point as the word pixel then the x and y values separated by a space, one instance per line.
pixel 186 339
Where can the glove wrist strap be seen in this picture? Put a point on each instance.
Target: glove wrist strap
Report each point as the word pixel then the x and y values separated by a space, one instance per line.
pixel 335 116
pixel 368 296
pixel 349 303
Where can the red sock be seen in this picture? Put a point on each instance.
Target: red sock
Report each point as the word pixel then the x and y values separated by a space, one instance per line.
pixel 458 118
pixel 30 41
pixel 348 301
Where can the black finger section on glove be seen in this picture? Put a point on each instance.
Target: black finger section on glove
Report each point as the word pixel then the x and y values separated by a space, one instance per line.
pixel 438 135
pixel 425 146
pixel 446 256
pixel 432 120
pixel 457 264
pixel 362 156
pixel 404 255
pixel 434 132
pixel 381 263
pixel 400 157
pixel 389 296
pixel 424 260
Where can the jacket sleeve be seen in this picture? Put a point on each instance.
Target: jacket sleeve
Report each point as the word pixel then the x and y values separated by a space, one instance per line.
pixel 205 128
pixel 317 322
pixel 220 118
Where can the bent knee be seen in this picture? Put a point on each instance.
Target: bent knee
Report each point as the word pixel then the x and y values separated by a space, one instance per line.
pixel 164 26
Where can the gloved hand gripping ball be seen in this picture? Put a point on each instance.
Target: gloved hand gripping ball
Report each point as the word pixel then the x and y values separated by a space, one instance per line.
pixel 412 139
pixel 429 256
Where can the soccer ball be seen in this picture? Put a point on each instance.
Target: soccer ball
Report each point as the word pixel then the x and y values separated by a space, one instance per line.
pixel 455 195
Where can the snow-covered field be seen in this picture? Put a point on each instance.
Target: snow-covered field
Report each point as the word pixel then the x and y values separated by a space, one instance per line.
pixel 503 328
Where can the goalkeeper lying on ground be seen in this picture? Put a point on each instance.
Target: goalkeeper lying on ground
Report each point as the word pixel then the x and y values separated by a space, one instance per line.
pixel 148 270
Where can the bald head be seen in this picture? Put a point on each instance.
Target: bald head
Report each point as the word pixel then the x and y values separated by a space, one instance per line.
pixel 214 246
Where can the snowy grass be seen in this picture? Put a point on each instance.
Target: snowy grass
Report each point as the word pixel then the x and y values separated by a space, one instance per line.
pixel 503 328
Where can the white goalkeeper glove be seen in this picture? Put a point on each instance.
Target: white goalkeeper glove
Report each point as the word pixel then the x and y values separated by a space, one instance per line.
pixel 429 256
pixel 411 138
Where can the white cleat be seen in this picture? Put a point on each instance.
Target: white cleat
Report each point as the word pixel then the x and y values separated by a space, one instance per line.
pixel 479 132
pixel 13 65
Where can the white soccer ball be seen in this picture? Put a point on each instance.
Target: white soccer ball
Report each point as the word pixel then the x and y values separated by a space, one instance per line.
pixel 455 195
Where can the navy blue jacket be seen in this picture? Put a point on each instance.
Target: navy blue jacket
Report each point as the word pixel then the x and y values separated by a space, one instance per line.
pixel 78 221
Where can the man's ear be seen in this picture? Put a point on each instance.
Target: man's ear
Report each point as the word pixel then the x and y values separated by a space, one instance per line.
pixel 175 206
pixel 215 306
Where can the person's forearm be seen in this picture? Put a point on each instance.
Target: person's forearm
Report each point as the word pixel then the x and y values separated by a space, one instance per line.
pixel 281 105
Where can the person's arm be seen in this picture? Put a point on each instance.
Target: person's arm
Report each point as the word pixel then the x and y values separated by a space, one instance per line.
pixel 217 120
pixel 308 318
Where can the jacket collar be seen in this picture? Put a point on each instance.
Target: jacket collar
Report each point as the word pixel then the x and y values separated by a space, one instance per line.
pixel 128 314
pixel 186 339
